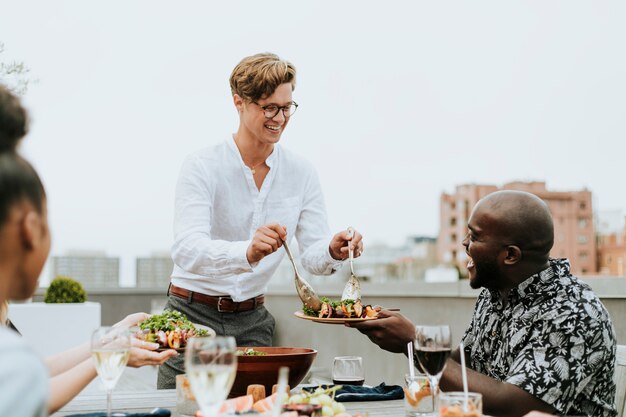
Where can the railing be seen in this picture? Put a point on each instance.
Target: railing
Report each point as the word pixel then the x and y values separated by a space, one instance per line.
pixel 429 303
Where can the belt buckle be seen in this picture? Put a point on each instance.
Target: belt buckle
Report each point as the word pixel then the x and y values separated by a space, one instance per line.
pixel 219 305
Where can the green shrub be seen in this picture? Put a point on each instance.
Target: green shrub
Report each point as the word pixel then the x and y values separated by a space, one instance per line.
pixel 65 290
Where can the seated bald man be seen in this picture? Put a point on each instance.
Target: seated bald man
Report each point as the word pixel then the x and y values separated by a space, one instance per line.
pixel 539 338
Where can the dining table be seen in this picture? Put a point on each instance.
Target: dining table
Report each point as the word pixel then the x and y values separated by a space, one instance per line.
pixel 146 400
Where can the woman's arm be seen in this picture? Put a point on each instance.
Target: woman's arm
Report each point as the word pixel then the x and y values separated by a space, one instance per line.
pixel 67 359
pixel 65 386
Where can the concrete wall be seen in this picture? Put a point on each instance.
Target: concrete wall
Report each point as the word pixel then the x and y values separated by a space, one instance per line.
pixel 449 303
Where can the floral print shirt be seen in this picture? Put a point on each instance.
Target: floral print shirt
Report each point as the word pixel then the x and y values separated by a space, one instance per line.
pixel 552 337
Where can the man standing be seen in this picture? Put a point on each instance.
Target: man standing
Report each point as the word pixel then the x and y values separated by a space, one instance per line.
pixel 539 339
pixel 236 203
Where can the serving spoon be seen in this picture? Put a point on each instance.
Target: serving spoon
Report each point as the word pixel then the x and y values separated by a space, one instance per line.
pixel 305 291
pixel 352 290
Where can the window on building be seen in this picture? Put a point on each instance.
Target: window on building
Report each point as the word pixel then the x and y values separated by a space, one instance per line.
pixel 582 239
pixel 583 256
pixel 452 221
pixel 453 238
pixel 452 205
pixel 582 223
pixel 582 205
pixel 608 259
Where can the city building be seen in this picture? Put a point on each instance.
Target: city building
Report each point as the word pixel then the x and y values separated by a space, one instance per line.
pixel 92 269
pixel 612 250
pixel 154 271
pixel 408 262
pixel 379 263
pixel 574 236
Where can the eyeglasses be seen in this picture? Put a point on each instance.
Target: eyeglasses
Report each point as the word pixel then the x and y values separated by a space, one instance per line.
pixel 271 110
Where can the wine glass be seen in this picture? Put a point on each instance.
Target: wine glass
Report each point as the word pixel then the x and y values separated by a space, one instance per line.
pixel 432 347
pixel 348 370
pixel 110 348
pixel 211 366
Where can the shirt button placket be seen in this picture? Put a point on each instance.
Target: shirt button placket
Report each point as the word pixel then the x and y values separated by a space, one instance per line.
pixel 256 217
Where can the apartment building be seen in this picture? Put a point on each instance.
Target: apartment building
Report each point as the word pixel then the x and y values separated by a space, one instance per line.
pixel 612 252
pixel 574 236
pixel 92 269
pixel 154 271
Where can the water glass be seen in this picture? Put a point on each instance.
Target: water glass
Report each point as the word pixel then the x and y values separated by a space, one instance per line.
pixel 457 404
pixel 348 370
pixel 418 399
pixel 186 405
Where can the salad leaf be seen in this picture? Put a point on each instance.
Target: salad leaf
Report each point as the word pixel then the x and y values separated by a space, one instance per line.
pixel 170 320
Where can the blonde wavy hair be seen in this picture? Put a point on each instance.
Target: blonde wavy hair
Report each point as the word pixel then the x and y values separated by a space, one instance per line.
pixel 258 76
pixel 4 311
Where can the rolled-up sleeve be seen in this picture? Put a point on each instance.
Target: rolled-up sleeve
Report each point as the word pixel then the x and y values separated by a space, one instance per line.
pixel 313 233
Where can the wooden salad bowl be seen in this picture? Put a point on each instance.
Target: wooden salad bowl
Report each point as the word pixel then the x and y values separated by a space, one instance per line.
pixel 263 370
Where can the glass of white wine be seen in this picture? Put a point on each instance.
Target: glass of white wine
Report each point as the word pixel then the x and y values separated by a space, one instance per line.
pixel 211 366
pixel 110 348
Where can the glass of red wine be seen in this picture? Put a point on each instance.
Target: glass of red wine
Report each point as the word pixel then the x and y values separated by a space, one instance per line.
pixel 348 370
pixel 432 347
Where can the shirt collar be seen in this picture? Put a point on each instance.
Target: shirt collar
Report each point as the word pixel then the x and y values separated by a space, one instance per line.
pixel 536 283
pixel 270 161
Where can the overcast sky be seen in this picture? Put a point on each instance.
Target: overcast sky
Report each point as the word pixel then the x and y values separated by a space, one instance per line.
pixel 399 102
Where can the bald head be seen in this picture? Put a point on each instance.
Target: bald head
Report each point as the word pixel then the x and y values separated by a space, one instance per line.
pixel 522 219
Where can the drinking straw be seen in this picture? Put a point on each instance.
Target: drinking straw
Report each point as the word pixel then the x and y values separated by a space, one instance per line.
pixel 409 347
pixel 464 374
pixel 283 374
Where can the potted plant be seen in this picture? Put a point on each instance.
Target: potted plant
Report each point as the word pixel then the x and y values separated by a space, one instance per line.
pixel 65 290
pixel 65 319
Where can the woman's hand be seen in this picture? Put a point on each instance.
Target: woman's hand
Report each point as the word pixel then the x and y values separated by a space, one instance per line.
pixel 143 353
pixel 132 320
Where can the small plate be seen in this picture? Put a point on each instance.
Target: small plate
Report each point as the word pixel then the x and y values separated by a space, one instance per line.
pixel 326 320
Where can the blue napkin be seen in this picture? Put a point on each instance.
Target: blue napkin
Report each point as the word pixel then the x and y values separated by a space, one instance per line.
pixel 157 412
pixel 358 393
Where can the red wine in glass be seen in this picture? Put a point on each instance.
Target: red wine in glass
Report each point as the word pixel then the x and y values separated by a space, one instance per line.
pixel 349 381
pixel 431 360
pixel 432 347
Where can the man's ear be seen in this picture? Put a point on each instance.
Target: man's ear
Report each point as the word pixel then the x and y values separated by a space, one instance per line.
pixel 513 255
pixel 238 102
pixel 30 229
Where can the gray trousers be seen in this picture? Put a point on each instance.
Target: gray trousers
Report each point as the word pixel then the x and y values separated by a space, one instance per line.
pixel 249 328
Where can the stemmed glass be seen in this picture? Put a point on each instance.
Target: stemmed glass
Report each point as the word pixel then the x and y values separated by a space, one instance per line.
pixel 110 348
pixel 432 347
pixel 211 366
pixel 348 370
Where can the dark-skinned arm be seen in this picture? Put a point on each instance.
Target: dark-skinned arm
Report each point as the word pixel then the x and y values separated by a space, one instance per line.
pixel 500 399
pixel 391 331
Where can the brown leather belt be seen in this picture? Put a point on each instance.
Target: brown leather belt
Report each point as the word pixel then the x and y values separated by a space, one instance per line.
pixel 223 304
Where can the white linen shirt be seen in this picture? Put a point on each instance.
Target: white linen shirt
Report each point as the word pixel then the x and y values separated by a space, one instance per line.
pixel 218 208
